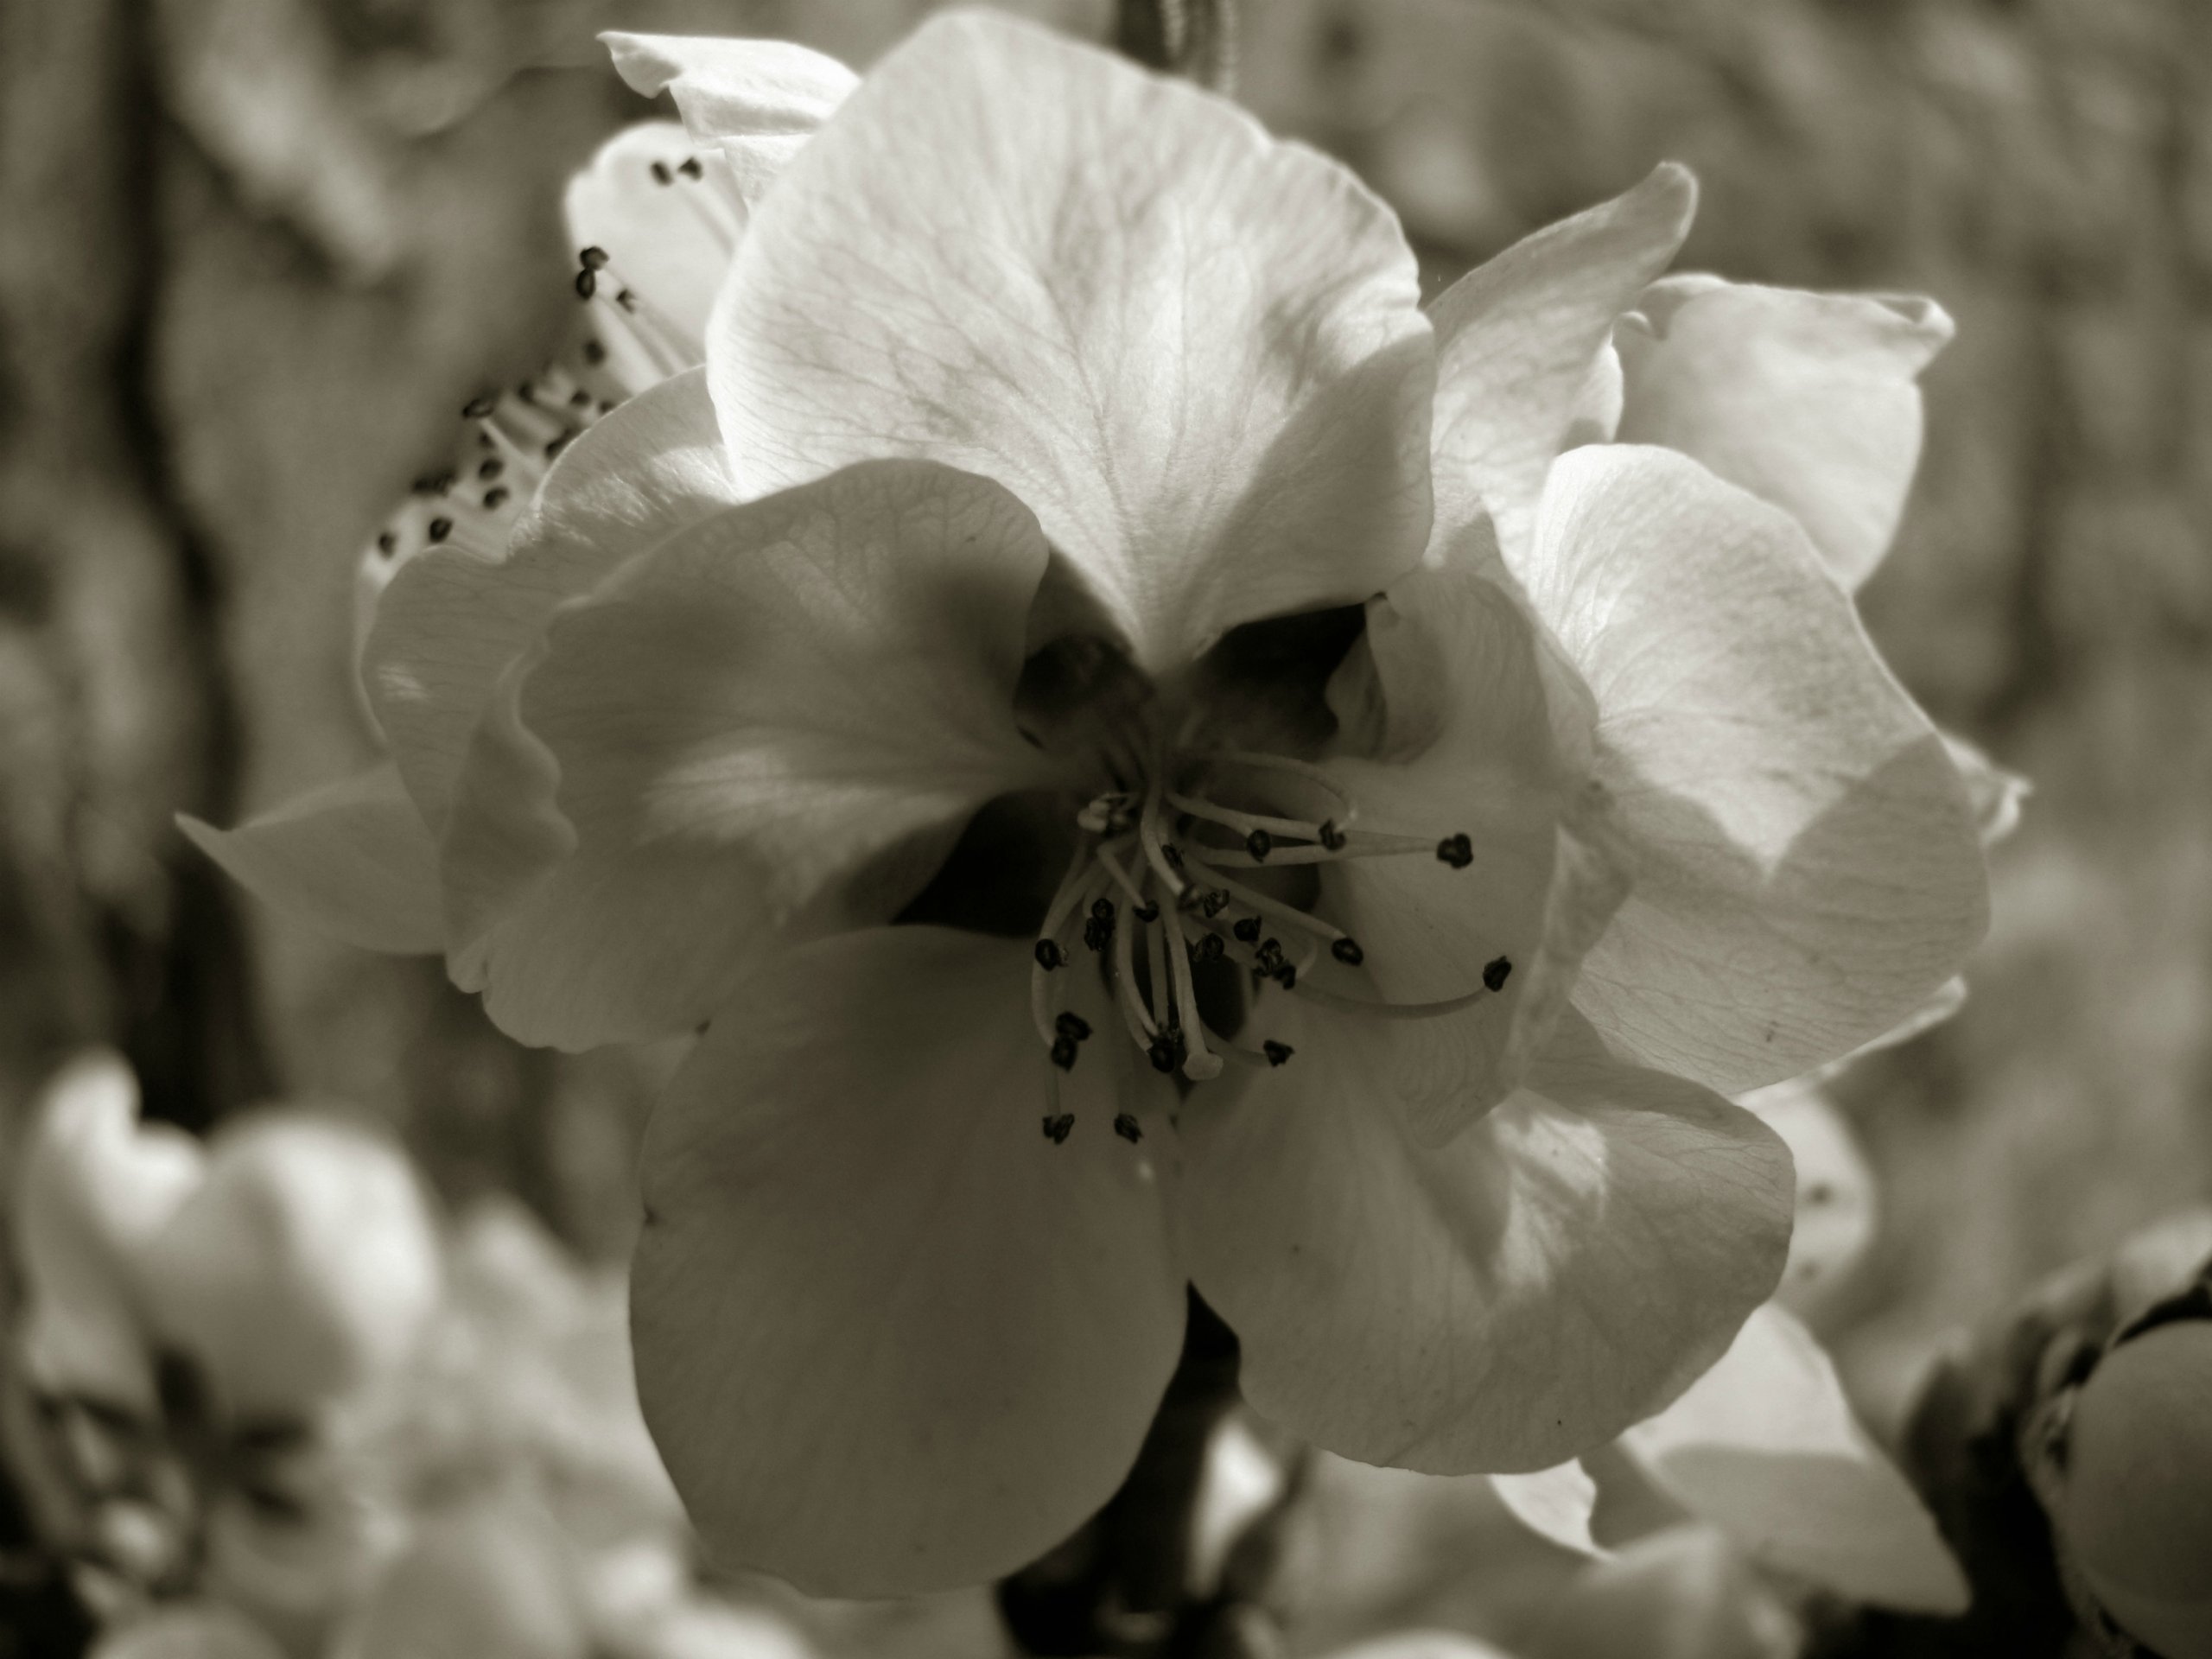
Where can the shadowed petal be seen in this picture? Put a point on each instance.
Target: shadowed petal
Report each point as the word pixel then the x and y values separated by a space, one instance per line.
pixel 1193 351
pixel 890 1337
pixel 453 621
pixel 1809 401
pixel 352 860
pixel 1765 1447
pixel 717 737
pixel 1565 1266
pixel 1518 344
pixel 1807 870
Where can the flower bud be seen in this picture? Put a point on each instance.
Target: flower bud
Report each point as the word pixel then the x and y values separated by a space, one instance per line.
pixel 304 1267
pixel 2135 1506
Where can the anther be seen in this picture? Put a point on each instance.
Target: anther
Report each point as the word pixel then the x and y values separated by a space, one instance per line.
pixel 1348 952
pixel 1494 974
pixel 1332 837
pixel 1057 1127
pixel 554 445
pixel 1161 1053
pixel 579 398
pixel 1073 1027
pixel 1148 914
pixel 1456 851
pixel 491 469
pixel 1246 928
pixel 1126 1125
pixel 1276 1052
pixel 1209 948
pixel 1101 910
pixel 1098 932
pixel 595 353
pixel 478 407
pixel 661 175
pixel 1287 977
pixel 1259 843
pixel 1049 955
pixel 690 168
pixel 1064 1052
pixel 1214 903
pixel 1269 954
pixel 387 543
pixel 593 258
pixel 1173 853
pixel 439 529
pixel 586 283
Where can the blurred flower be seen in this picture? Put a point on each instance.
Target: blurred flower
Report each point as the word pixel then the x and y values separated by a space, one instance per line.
pixel 760 673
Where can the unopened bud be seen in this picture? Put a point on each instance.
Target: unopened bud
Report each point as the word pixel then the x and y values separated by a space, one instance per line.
pixel 2133 1504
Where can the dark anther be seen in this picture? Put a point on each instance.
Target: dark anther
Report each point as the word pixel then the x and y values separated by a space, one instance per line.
pixel 1097 933
pixel 1332 837
pixel 1211 949
pixel 387 543
pixel 1147 913
pixel 554 445
pixel 1126 1125
pixel 594 353
pixel 586 283
pixel 432 483
pixel 1494 974
pixel 593 258
pixel 439 529
pixel 1049 955
pixel 1073 1027
pixel 491 469
pixel 1173 853
pixel 1269 954
pixel 661 175
pixel 1064 1052
pixel 1161 1054
pixel 1056 1129
pixel 579 398
pixel 1456 851
pixel 1348 952
pixel 626 300
pixel 1246 928
pixel 527 391
pixel 690 168
pixel 1287 977
pixel 1214 903
pixel 477 407
pixel 495 497
pixel 1276 1052
pixel 606 406
pixel 1259 843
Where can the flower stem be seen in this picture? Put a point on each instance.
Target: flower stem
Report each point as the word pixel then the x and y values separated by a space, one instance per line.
pixel 1123 1586
pixel 1196 39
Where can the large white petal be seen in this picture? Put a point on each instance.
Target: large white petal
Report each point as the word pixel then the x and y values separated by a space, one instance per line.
pixel 1807 870
pixel 1809 401
pixel 891 1338
pixel 721 734
pixel 1765 1447
pixel 453 620
pixel 1564 1266
pixel 1193 351
pixel 352 860
pixel 1519 341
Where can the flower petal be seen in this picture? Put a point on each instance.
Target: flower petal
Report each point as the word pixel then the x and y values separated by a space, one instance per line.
pixel 453 620
pixel 352 860
pixel 1807 400
pixel 1518 342
pixel 1683 1593
pixel 1194 353
pixel 1561 1269
pixel 1465 680
pixel 1555 1504
pixel 732 88
pixel 669 235
pixel 743 718
pixel 1836 1196
pixel 1807 867
pixel 1765 1447
pixel 890 1337
pixel 93 1187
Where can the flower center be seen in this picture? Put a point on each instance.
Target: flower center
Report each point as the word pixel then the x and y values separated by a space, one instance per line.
pixel 1150 896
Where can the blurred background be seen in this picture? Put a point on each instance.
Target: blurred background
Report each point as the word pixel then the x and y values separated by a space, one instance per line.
pixel 256 254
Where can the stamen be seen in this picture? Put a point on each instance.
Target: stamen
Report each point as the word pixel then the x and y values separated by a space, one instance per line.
pixel 1134 1015
pixel 1247 822
pixel 1200 1065
pixel 1148 834
pixel 1392 1010
pixel 1254 901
